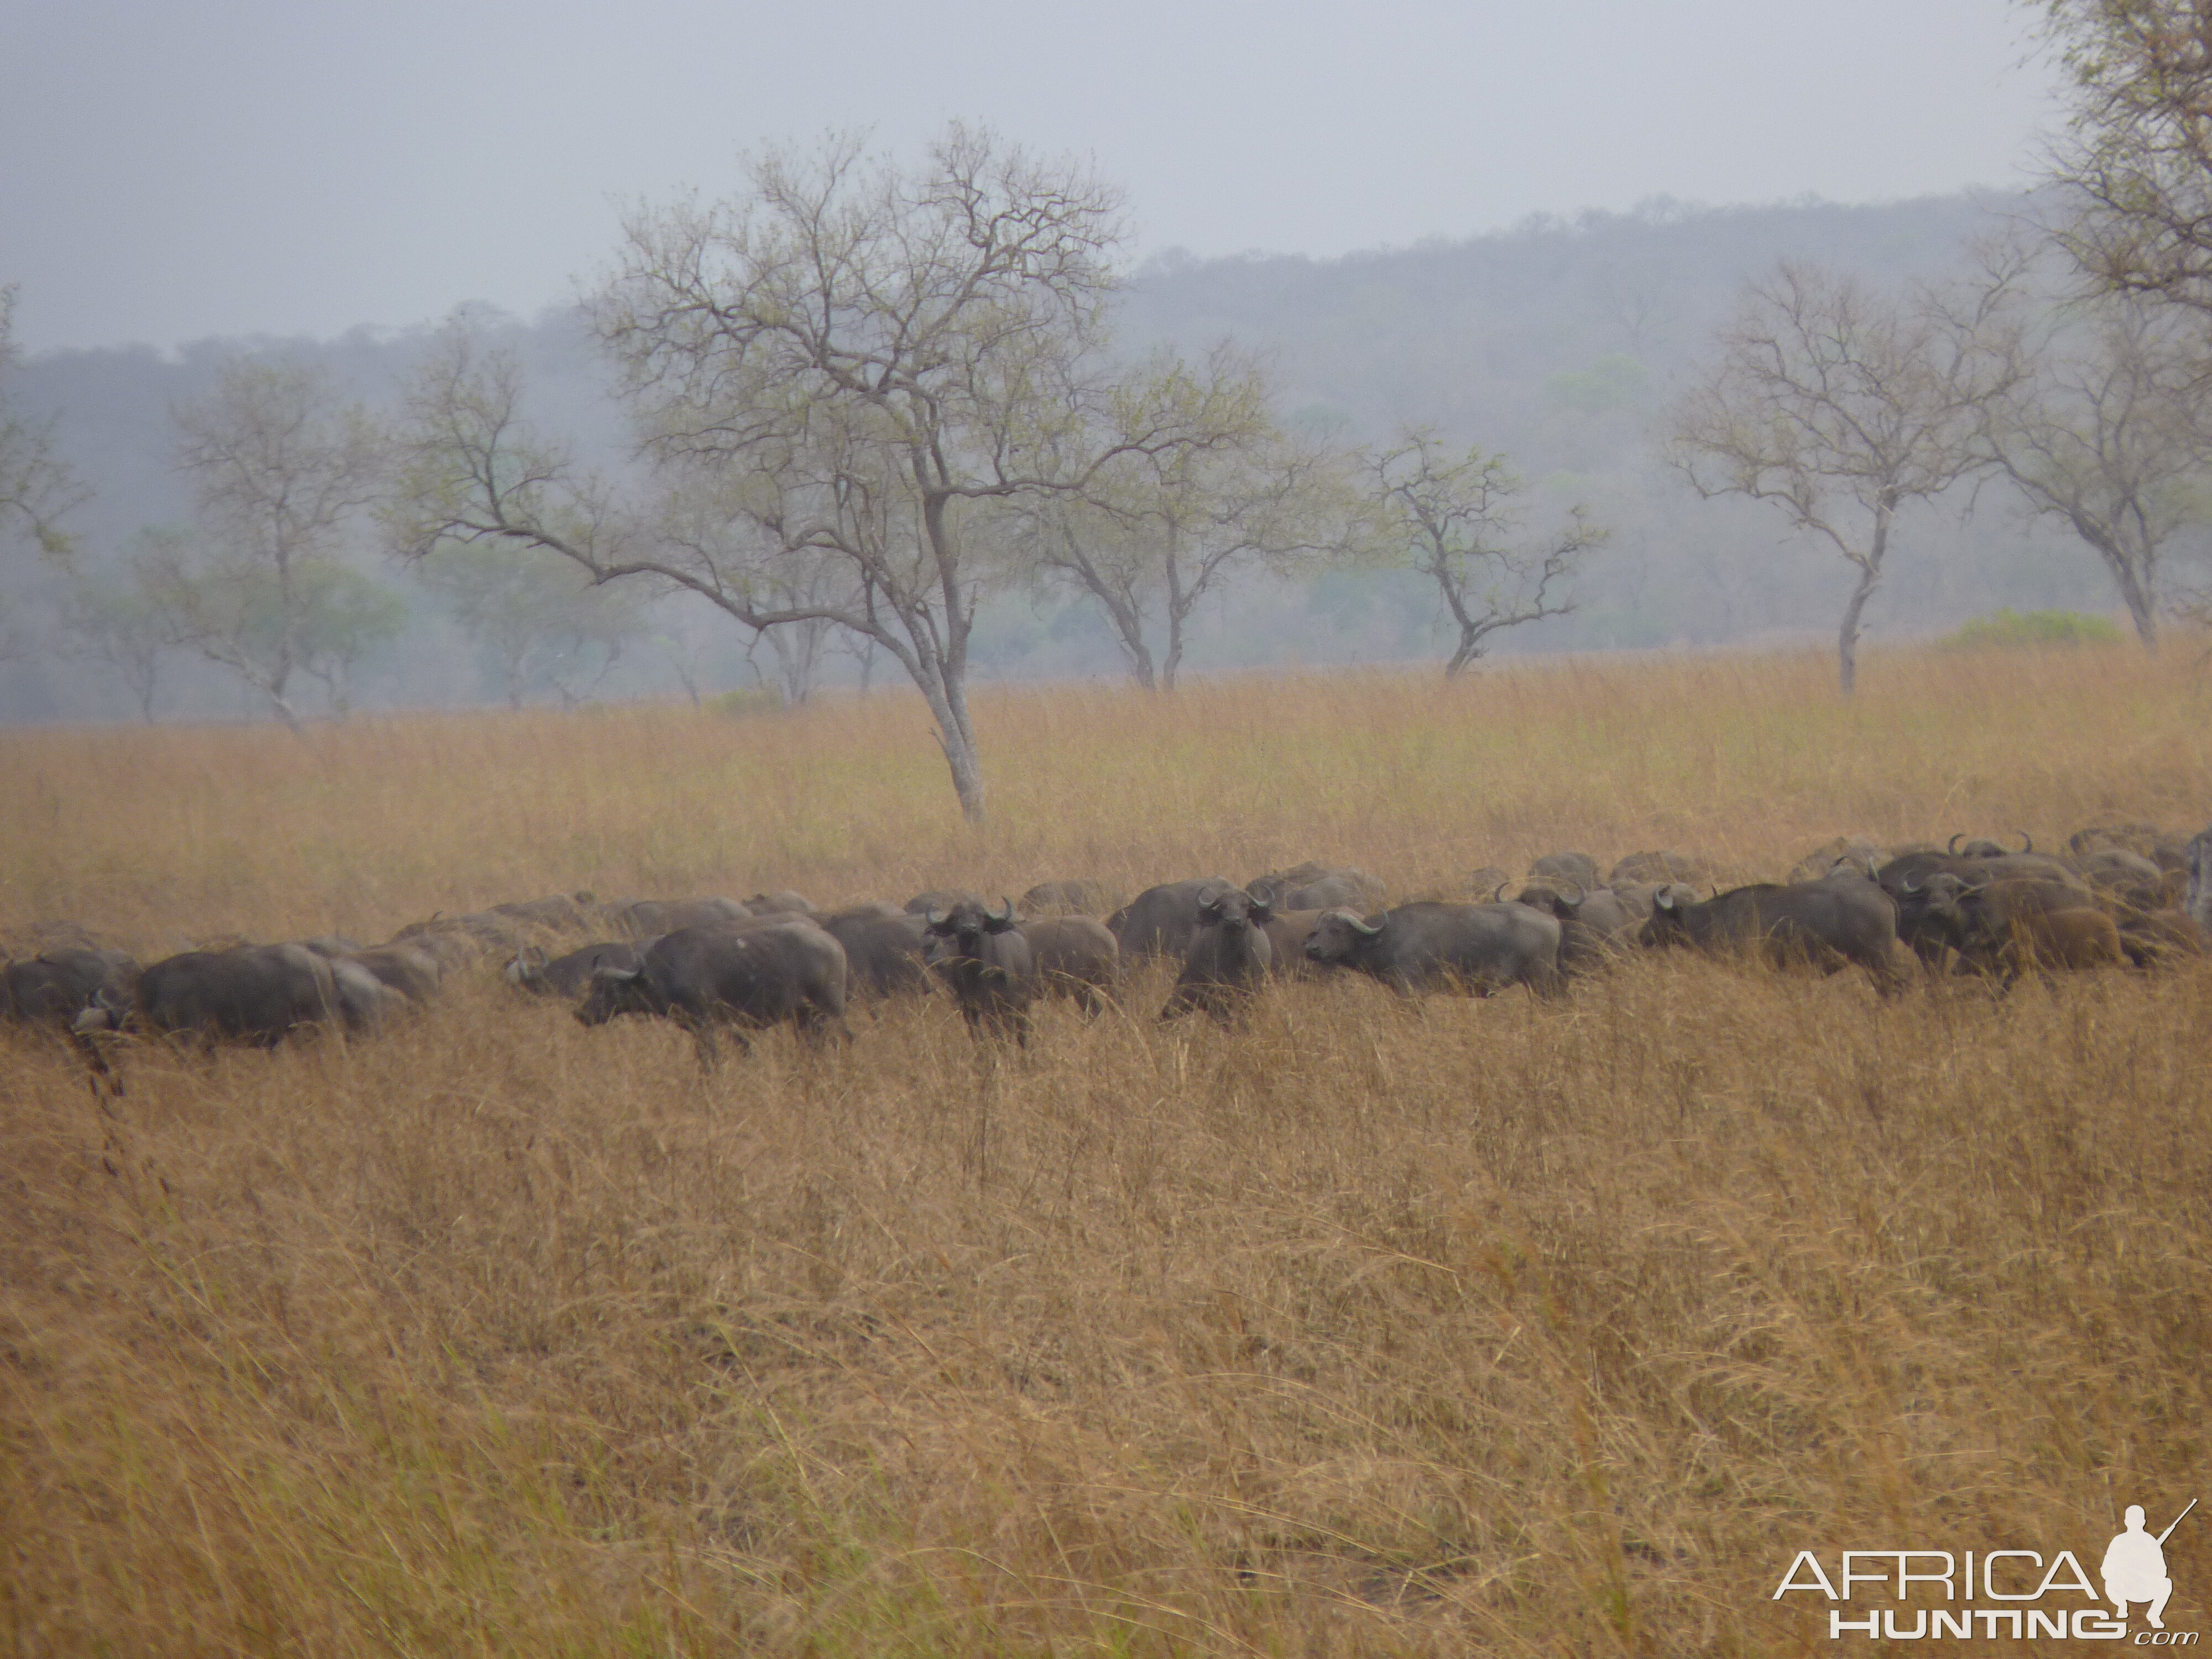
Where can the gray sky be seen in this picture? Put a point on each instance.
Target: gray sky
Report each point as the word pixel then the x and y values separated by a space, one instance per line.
pixel 172 170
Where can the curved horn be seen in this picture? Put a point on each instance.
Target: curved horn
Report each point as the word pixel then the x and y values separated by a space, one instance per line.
pixel 1005 913
pixel 1911 884
pixel 1576 903
pixel 1498 892
pixel 1371 930
pixel 938 918
pixel 1663 900
pixel 2026 842
pixel 1952 847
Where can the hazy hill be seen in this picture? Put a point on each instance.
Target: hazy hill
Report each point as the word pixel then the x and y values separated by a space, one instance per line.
pixel 1558 342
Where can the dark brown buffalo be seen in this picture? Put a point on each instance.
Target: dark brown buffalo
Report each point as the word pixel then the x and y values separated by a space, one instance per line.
pixel 1161 921
pixel 987 963
pixel 1075 957
pixel 1827 924
pixel 1079 898
pixel 569 975
pixel 1228 957
pixel 55 986
pixel 253 993
pixel 707 979
pixel 1476 948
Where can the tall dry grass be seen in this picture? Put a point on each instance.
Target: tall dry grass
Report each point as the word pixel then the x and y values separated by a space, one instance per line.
pixel 1375 1328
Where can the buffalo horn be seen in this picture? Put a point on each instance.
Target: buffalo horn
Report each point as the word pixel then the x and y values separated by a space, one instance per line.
pixel 1005 914
pixel 938 918
pixel 2026 842
pixel 1576 903
pixel 1951 846
pixel 1369 929
pixel 1498 892
pixel 1911 883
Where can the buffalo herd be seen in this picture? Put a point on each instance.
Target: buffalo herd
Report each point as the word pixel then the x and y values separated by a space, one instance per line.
pixel 2122 895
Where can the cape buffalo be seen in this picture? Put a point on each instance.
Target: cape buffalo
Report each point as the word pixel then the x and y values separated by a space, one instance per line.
pixel 1478 947
pixel 939 899
pixel 257 993
pixel 1657 868
pixel 1228 958
pixel 983 957
pixel 1161 921
pixel 1578 869
pixel 564 912
pixel 1075 957
pixel 1825 923
pixel 569 975
pixel 643 918
pixel 884 955
pixel 783 904
pixel 55 986
pixel 706 978
pixel 1287 934
pixel 1595 927
pixel 1314 887
pixel 1079 898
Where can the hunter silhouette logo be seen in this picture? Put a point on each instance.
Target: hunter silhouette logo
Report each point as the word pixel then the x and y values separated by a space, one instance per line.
pixel 1998 1594
pixel 2134 1566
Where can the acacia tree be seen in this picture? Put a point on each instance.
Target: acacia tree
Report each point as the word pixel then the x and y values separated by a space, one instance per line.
pixel 1843 407
pixel 538 621
pixel 278 468
pixel 2110 433
pixel 875 369
pixel 1459 517
pixel 2135 164
pixel 1162 529
pixel 36 489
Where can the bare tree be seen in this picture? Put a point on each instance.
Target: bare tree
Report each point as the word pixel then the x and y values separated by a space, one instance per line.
pixel 36 489
pixel 1160 531
pixel 278 468
pixel 1842 408
pixel 1458 517
pixel 119 625
pixel 2135 164
pixel 538 621
pixel 2112 433
pixel 874 367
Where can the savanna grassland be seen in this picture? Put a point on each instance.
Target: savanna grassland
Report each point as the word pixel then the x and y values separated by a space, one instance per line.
pixel 1423 1328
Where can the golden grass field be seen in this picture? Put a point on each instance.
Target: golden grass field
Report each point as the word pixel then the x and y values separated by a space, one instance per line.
pixel 1447 1327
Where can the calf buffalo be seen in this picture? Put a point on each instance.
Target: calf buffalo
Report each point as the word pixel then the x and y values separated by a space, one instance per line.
pixel 1228 957
pixel 706 978
pixel 1478 947
pixel 983 957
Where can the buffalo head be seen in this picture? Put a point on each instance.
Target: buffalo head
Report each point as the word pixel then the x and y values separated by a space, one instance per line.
pixel 1340 935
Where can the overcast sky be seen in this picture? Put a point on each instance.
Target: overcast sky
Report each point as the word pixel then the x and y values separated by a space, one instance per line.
pixel 172 170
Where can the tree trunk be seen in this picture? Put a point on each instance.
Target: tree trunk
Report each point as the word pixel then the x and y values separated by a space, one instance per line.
pixel 1847 639
pixel 1470 647
pixel 2138 590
